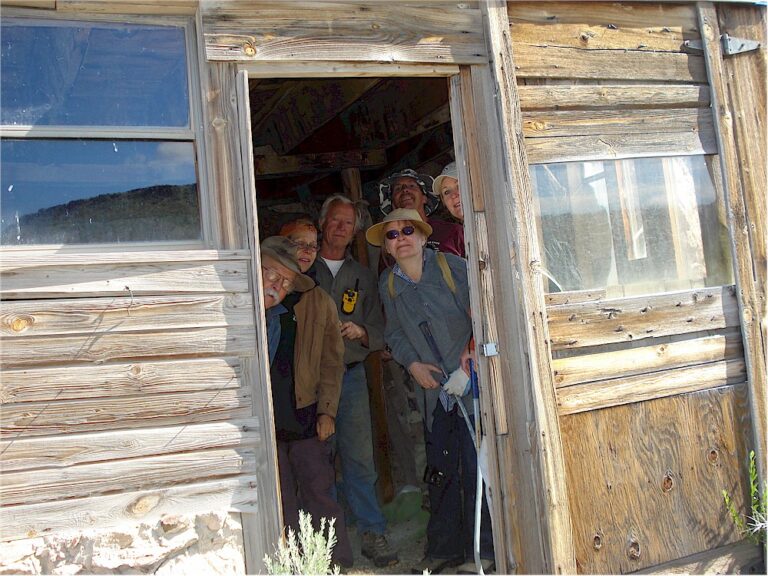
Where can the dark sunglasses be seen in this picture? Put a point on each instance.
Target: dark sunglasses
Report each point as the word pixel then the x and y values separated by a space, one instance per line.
pixel 407 231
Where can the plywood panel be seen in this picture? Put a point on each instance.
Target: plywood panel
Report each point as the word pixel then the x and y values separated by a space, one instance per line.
pixel 71 449
pixel 633 472
pixel 30 520
pixel 637 318
pixel 445 32
pixel 50 484
pixel 57 281
pixel 70 382
pixel 573 63
pixel 93 315
pixel 76 416
pixel 593 96
pixel 103 347
pixel 621 363
pixel 642 387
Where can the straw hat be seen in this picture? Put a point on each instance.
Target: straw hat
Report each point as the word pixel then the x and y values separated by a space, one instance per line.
pixel 375 234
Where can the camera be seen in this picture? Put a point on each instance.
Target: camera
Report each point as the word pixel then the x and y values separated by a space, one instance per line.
pixel 433 476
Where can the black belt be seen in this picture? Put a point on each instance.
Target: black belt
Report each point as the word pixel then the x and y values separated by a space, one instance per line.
pixel 352 365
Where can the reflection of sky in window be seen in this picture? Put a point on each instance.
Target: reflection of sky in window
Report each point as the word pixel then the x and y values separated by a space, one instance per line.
pixel 44 173
pixel 66 73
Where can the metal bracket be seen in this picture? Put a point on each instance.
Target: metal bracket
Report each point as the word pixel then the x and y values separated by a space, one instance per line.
pixel 733 45
pixel 693 45
pixel 490 349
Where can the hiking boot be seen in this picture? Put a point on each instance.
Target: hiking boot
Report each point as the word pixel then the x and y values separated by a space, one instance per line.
pixel 376 547
pixel 430 565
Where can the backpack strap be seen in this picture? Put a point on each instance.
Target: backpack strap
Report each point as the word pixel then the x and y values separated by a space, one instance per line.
pixel 442 262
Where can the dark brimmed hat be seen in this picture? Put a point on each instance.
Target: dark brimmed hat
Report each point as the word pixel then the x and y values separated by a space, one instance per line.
pixel 375 234
pixel 423 180
pixel 283 250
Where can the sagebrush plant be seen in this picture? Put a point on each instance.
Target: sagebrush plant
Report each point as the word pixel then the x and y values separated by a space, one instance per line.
pixel 755 526
pixel 308 553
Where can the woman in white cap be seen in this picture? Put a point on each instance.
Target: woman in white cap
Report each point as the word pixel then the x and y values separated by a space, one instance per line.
pixel 429 329
pixel 446 187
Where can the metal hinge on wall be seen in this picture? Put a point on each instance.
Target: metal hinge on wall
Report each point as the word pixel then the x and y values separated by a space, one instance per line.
pixel 730 45
pixel 489 349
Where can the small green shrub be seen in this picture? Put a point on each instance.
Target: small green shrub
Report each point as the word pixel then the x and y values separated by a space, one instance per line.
pixel 308 553
pixel 754 527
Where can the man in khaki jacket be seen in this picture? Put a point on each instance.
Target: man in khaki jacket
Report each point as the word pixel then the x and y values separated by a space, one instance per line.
pixel 306 353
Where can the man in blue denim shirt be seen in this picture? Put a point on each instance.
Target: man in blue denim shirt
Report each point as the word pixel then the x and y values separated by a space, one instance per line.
pixel 354 289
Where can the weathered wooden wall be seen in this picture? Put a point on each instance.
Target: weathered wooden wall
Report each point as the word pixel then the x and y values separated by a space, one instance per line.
pixel 652 392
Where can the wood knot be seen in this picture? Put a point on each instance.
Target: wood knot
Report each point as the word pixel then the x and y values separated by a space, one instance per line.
pixel 633 550
pixel 668 482
pixel 21 323
pixel 249 49
pixel 713 456
pixel 597 541
pixel 135 370
pixel 143 505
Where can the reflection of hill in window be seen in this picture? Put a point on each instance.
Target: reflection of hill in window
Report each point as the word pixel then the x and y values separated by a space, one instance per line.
pixel 153 214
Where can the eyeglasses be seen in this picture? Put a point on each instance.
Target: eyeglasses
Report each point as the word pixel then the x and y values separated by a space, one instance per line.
pixel 273 275
pixel 406 231
pixel 306 246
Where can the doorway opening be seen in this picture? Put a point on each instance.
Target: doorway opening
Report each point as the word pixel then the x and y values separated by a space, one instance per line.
pixel 315 137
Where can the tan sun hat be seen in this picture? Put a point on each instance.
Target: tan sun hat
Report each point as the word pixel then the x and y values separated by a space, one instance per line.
pixel 450 171
pixel 282 250
pixel 375 234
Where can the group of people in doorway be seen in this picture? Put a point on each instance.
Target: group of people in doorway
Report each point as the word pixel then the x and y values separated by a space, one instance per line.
pixel 325 313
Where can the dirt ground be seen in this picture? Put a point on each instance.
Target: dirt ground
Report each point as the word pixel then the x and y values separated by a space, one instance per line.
pixel 407 537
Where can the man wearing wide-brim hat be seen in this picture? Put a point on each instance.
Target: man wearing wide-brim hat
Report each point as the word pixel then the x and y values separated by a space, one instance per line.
pixel 306 354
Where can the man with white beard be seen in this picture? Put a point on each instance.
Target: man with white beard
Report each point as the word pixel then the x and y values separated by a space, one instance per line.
pixel 306 353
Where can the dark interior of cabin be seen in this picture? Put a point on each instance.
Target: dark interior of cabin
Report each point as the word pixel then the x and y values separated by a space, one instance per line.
pixel 317 137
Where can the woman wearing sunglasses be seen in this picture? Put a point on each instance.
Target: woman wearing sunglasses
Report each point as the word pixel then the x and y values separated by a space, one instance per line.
pixel 429 328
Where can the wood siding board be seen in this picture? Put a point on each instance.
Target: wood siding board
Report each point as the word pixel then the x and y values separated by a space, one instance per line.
pixel 75 416
pixel 124 280
pixel 640 317
pixel 641 387
pixel 574 297
pixel 594 96
pixel 573 63
pixel 622 15
pixel 28 352
pixel 111 380
pixel 19 260
pixel 539 124
pixel 727 105
pixel 83 480
pixel 103 512
pixel 515 204
pixel 336 69
pixel 167 7
pixel 28 454
pixel 646 462
pixel 247 30
pixel 603 365
pixel 617 146
pixel 737 558
pixel 93 315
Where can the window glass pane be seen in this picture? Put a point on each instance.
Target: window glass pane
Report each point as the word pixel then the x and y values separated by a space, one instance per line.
pixel 634 226
pixel 91 191
pixel 79 73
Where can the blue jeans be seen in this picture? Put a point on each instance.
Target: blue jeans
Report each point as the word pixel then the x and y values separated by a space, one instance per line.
pixel 354 444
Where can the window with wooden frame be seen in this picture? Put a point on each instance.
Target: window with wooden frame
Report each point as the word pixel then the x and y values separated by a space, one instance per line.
pixel 99 133
pixel 631 226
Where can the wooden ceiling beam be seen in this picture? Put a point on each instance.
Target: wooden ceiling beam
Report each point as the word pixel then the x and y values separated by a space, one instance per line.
pixel 275 165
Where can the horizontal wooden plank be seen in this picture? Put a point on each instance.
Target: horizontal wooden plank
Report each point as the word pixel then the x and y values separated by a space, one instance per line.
pixel 540 124
pixel 24 352
pixel 639 317
pixel 77 416
pixel 622 363
pixel 49 484
pixel 617 146
pixel 125 279
pixel 15 260
pixel 148 313
pixel 71 449
pixel 575 63
pixel 147 506
pixel 618 391
pixel 622 15
pixel 336 69
pixel 39 4
pixel 119 379
pixel 737 558
pixel 591 96
pixel 573 297
pixel 166 7
pixel 247 30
